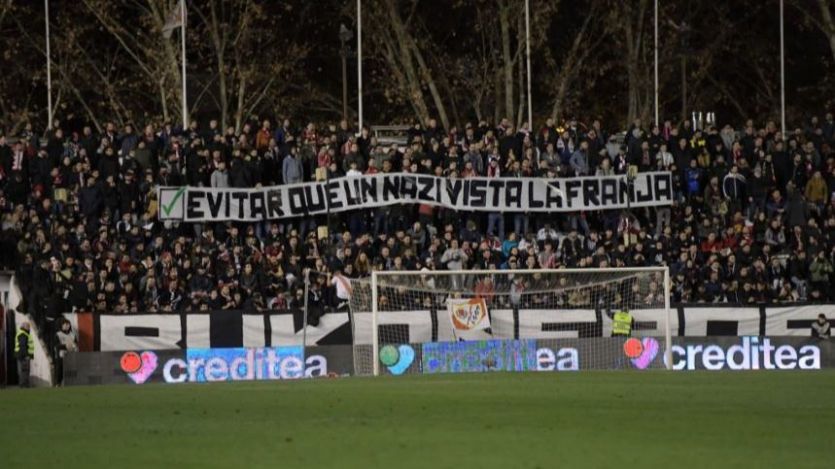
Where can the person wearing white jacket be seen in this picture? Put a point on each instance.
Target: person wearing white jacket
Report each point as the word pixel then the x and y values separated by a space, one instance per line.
pixel 664 158
pixel 66 341
pixel 220 178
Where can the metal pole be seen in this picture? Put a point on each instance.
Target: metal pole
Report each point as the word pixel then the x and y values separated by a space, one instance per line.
pixel 683 86
pixel 4 352
pixel 344 82
pixel 183 37
pixel 528 53
pixel 359 62
pixel 668 339
pixel 630 179
pixel 328 202
pixel 782 75
pixel 656 62
pixel 48 69
pixel 304 320
pixel 375 346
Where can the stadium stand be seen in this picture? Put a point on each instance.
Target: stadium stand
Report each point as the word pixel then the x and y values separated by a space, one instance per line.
pixel 752 220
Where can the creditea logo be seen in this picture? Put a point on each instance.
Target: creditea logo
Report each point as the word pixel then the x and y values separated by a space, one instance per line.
pixel 561 359
pixel 641 352
pixel 753 353
pixel 139 366
pixel 233 364
pixel 397 359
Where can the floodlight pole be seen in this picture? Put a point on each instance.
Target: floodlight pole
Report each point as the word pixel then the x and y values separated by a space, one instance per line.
pixel 528 54
pixel 782 74
pixel 359 64
pixel 656 62
pixel 668 334
pixel 183 52
pixel 328 215
pixel 48 69
pixel 345 35
pixel 304 314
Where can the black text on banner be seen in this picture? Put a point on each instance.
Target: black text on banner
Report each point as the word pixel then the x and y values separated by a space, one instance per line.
pixel 379 190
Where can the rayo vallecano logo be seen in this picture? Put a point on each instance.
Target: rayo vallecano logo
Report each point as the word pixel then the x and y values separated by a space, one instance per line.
pixel 469 314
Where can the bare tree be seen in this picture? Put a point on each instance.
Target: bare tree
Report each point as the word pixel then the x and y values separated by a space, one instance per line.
pixel 627 21
pixel 18 100
pixel 153 56
pixel 587 39
pixel 820 14
pixel 253 63
pixel 392 37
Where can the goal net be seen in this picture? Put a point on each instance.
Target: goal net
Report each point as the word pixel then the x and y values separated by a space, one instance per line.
pixel 510 320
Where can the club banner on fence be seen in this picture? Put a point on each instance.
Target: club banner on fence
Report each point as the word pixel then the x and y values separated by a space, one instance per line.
pixel 469 317
pixel 120 332
pixel 512 194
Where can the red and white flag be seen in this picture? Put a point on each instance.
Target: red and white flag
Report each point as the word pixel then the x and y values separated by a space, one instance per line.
pixel 470 318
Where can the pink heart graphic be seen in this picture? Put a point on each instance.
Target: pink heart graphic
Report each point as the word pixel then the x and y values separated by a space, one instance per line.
pixel 648 354
pixel 149 364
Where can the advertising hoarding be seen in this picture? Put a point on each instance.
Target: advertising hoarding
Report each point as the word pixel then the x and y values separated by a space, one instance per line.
pixel 207 365
pixel 295 362
pixel 479 356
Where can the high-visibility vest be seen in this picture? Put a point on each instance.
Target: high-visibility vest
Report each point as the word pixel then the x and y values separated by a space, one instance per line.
pixel 30 344
pixel 622 323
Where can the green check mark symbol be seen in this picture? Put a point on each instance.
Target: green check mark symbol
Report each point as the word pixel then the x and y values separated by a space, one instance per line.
pixel 167 209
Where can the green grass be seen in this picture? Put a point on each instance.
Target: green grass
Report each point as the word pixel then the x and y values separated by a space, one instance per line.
pixel 544 420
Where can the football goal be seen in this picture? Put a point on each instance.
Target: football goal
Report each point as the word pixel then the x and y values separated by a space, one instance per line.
pixel 513 320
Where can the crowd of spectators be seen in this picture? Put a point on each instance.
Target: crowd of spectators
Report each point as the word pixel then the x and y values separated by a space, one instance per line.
pixel 753 219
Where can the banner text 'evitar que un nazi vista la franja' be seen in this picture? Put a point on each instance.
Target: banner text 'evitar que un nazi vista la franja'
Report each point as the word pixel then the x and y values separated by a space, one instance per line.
pixel 379 190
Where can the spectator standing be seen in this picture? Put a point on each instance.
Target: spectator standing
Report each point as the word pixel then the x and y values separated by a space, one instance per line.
pixel 756 192
pixel 66 342
pixel 796 209
pixel 734 188
pixel 580 160
pixel 454 258
pixel 263 137
pixel 693 178
pixel 816 190
pixel 291 169
pixel 220 178
pixel 24 349
pixel 820 271
pixel 821 328
pixel 664 158
pixel 342 288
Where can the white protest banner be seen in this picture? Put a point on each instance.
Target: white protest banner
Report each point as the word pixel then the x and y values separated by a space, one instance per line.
pixel 379 190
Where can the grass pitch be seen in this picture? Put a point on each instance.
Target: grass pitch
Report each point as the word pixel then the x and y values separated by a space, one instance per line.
pixel 531 420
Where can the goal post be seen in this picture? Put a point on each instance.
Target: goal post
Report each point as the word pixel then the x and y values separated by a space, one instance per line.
pixel 398 315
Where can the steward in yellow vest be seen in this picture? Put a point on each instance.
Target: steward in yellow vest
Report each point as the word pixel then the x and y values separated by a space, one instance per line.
pixel 24 350
pixel 622 324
